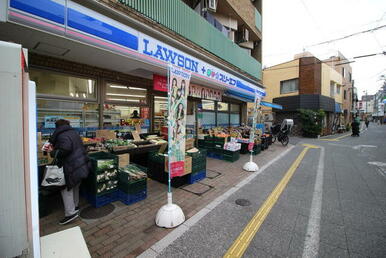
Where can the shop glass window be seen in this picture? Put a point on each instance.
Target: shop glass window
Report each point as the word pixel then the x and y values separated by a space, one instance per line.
pixel 223 119
pixel 332 89
pixel 235 108
pixel 208 120
pixel 123 93
pixel 117 116
pixel 235 120
pixel 222 106
pixel 289 86
pixel 207 104
pixel 80 114
pixel 160 113
pixel 55 84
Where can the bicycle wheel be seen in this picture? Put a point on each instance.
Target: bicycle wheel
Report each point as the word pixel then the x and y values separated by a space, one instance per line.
pixel 284 140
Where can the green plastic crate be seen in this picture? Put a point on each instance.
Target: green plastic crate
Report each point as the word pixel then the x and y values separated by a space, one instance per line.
pixel 124 177
pixel 231 156
pixel 198 167
pixel 133 187
pixel 98 158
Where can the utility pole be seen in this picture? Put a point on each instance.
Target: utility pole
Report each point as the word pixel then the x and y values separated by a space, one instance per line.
pixel 365 101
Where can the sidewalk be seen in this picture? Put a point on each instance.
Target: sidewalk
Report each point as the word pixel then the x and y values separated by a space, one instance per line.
pixel 130 230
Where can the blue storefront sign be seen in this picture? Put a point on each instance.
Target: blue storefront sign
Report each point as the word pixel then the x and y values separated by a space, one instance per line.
pixel 75 21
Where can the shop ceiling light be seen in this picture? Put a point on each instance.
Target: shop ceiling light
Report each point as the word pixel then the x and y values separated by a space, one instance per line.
pixel 119 87
pixel 125 95
pixel 90 86
pixel 135 88
pixel 127 100
pixel 163 98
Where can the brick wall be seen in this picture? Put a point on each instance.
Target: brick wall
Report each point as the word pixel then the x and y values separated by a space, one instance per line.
pixel 246 11
pixel 310 73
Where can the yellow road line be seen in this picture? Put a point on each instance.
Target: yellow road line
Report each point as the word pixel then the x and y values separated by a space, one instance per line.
pixel 335 139
pixel 244 239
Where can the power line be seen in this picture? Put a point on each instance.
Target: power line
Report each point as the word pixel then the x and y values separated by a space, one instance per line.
pixel 327 61
pixel 348 36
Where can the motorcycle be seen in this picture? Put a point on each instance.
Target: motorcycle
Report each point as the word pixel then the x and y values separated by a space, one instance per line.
pixel 281 132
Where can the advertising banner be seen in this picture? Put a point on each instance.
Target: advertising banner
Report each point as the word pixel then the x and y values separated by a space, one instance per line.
pixel 49 121
pixel 253 129
pixel 160 83
pixel 179 80
pixel 204 93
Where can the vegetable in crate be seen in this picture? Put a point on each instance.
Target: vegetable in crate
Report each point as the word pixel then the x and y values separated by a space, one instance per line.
pixel 104 164
pixel 133 172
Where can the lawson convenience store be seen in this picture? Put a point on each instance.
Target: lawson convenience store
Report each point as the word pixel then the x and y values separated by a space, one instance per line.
pixel 96 70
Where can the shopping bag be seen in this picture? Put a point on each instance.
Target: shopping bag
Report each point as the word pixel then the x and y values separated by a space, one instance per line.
pixel 53 176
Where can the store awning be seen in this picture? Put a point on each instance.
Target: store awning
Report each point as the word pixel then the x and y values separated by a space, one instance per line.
pixel 239 96
pixel 271 105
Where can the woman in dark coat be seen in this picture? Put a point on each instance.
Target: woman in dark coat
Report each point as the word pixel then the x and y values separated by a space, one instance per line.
pixel 67 147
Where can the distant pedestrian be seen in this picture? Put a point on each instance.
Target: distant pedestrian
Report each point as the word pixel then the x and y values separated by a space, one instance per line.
pixel 367 122
pixel 355 127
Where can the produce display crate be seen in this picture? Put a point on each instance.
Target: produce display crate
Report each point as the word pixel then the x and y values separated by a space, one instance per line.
pixel 103 178
pixel 193 178
pixel 264 143
pixel 133 187
pixel 215 155
pixel 220 140
pixel 131 198
pixel 101 200
pixel 244 148
pixel 198 167
pixel 208 144
pixel 103 159
pixel 123 176
pixel 218 146
pixel 200 155
pixel 231 156
pixel 156 171
pixel 256 149
pixel 201 143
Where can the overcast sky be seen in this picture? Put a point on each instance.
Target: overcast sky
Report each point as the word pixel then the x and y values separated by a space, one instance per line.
pixel 291 25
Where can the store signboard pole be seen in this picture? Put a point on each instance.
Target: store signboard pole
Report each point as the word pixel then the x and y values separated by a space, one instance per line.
pixel 250 165
pixel 171 215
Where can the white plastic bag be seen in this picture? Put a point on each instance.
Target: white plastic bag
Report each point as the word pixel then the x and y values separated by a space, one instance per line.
pixel 53 176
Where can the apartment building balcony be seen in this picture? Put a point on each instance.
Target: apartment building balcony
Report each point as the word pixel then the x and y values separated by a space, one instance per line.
pixel 188 23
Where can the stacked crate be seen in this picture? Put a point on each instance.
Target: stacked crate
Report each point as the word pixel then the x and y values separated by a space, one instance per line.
pixel 100 187
pixel 231 156
pixel 156 171
pixel 132 190
pixel 198 166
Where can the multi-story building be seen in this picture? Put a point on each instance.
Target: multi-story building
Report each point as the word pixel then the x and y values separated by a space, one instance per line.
pixel 306 83
pixel 379 105
pixel 95 62
pixel 366 106
pixel 342 66
pixel 98 61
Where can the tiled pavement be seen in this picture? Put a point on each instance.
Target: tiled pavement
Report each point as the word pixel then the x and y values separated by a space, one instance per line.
pixel 130 230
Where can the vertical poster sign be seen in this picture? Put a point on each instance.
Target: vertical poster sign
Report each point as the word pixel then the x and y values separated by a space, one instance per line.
pixel 160 83
pixel 178 89
pixel 256 105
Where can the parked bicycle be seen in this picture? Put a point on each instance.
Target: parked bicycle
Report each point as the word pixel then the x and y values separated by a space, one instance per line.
pixel 281 132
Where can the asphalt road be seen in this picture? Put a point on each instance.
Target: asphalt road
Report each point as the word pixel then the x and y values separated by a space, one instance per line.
pixel 334 205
